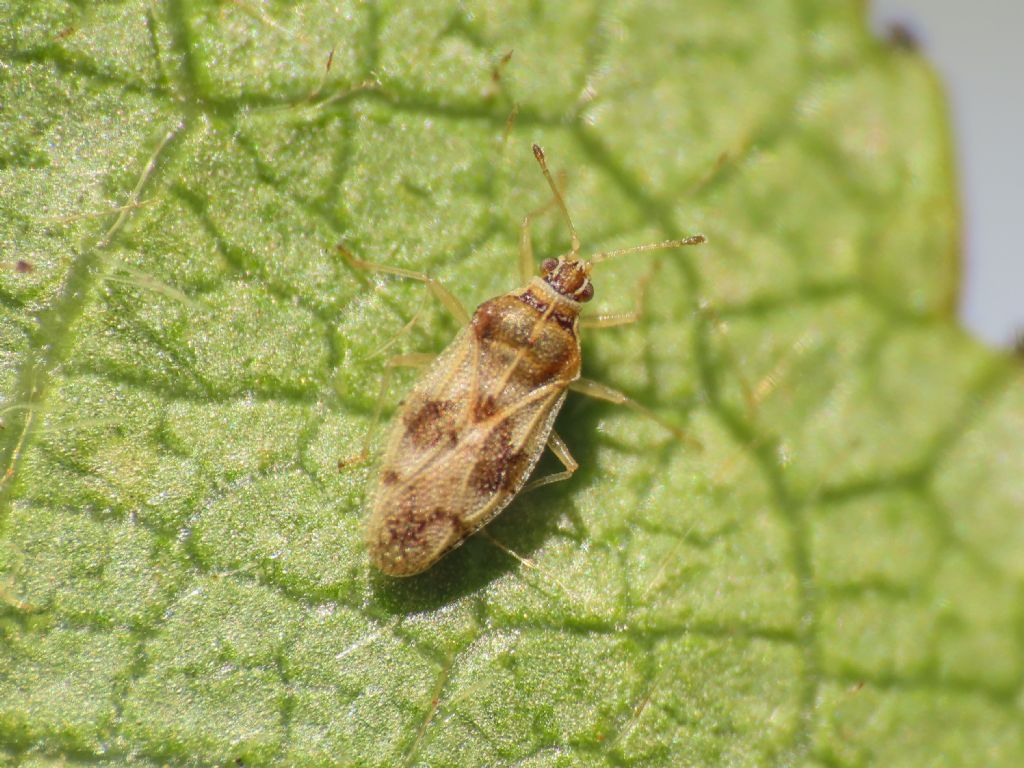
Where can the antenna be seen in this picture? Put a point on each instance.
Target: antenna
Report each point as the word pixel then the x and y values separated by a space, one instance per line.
pixel 605 255
pixel 539 154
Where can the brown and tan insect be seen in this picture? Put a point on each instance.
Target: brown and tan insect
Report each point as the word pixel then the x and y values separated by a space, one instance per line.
pixel 471 430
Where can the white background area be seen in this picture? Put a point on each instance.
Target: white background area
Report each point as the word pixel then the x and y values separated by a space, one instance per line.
pixel 978 49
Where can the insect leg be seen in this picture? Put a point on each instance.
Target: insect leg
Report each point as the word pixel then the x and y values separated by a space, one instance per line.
pixel 600 391
pixel 411 360
pixel 610 321
pixel 446 297
pixel 526 247
pixel 405 329
pixel 621 318
pixel 527 562
pixel 526 264
pixel 561 451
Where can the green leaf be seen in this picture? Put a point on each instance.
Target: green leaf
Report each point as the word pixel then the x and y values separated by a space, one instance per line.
pixel 834 580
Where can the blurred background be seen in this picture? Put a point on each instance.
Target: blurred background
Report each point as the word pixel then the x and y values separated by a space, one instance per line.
pixel 976 48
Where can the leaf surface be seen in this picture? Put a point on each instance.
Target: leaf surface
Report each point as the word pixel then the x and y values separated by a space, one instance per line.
pixel 834 580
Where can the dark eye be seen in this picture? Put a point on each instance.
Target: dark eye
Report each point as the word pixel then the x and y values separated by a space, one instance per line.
pixel 548 265
pixel 586 293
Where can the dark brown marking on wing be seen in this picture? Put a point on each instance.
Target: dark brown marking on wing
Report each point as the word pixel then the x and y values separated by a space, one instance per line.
pixel 389 477
pixel 427 424
pixel 408 538
pixel 408 528
pixel 500 466
pixel 485 407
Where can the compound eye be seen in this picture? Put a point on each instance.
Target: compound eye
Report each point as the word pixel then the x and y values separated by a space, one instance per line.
pixel 548 265
pixel 586 293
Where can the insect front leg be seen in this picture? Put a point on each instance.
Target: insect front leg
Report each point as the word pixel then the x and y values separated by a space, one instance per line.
pixel 527 266
pixel 599 391
pixel 561 451
pixel 615 319
pixel 611 320
pixel 526 263
pixel 442 294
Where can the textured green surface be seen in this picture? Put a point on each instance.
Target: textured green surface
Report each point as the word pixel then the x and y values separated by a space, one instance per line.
pixel 836 580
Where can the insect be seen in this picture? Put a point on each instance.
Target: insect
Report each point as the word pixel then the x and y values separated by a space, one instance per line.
pixel 472 429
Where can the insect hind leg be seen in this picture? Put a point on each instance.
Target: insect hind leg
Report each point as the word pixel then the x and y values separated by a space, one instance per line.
pixel 561 451
pixel 599 391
